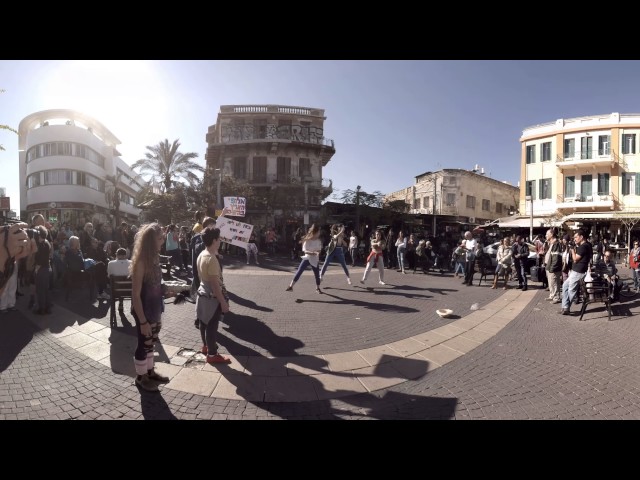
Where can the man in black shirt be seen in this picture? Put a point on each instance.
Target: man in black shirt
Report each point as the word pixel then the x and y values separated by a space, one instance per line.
pixel 581 253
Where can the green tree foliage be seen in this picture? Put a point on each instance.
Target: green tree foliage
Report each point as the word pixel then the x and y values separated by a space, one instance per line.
pixel 167 166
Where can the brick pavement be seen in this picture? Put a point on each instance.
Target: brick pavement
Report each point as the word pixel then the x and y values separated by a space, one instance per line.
pixel 540 365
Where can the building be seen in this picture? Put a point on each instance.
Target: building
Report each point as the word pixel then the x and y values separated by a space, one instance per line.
pixel 277 153
pixel 453 198
pixel 68 165
pixel 582 172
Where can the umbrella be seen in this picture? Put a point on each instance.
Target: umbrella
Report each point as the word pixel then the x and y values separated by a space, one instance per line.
pixel 478 230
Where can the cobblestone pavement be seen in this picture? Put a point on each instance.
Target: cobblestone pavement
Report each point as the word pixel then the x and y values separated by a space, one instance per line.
pixel 541 365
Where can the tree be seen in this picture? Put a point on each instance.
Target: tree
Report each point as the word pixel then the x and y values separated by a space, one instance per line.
pixel 375 199
pixel 112 195
pixel 167 165
pixel 6 127
pixel 397 206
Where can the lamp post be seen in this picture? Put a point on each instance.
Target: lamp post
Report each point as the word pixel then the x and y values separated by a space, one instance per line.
pixel 358 209
pixel 218 199
pixel 529 198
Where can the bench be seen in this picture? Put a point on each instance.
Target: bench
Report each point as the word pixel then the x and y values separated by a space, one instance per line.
pixel 485 268
pixel 72 280
pixel 121 287
pixel 595 291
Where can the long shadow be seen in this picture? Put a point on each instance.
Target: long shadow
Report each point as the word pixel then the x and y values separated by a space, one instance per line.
pixel 369 305
pixel 321 402
pixel 379 291
pixel 248 303
pixel 253 331
pixel 154 407
pixel 16 331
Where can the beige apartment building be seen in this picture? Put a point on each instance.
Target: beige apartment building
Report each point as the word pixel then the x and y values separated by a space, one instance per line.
pixel 582 172
pixel 455 195
pixel 279 151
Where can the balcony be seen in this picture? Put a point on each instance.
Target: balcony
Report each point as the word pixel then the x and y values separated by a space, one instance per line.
pixel 247 134
pixel 580 202
pixel 449 210
pixel 588 158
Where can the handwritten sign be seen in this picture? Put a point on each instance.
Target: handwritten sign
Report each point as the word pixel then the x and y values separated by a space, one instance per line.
pixel 236 206
pixel 234 232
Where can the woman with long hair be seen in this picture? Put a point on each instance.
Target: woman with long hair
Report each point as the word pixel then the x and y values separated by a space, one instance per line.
pixel 147 299
pixel 311 246
pixel 375 257
pixel 336 249
pixel 401 246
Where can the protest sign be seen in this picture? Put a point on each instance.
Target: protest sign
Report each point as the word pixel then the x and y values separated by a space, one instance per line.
pixel 234 232
pixel 236 206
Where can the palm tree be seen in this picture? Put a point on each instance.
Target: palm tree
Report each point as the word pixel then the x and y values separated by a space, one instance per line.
pixel 112 195
pixel 166 164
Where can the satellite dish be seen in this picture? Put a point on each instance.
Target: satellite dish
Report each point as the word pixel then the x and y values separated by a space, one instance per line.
pixel 472 219
pixel 52 205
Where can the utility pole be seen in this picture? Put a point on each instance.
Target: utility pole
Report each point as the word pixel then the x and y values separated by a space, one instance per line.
pixel 358 209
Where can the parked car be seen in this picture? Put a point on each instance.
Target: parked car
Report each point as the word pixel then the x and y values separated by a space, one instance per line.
pixel 492 251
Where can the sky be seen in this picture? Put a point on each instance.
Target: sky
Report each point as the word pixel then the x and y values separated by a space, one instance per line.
pixel 390 119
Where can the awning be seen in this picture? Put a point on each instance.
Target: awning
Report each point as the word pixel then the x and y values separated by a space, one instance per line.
pixel 522 222
pixel 589 216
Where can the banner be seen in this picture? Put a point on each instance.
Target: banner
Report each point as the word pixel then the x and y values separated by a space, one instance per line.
pixel 236 206
pixel 234 232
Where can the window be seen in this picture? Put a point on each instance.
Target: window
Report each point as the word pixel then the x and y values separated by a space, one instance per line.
pixel 569 187
pixel 449 181
pixel 586 148
pixel 546 151
pixel 425 202
pixel 545 188
pixel 603 184
pixel 58 177
pixel 471 201
pixel 531 154
pixel 260 169
pixel 416 203
pixel 284 169
pixel 450 200
pixel 603 144
pixel 570 148
pixel 586 187
pixel 629 143
pixel 498 207
pixel 240 168
pixel 33 180
pixel 530 189
pixel 486 204
pixel 304 167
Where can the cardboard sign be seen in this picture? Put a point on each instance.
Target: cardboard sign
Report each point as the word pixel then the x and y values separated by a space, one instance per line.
pixel 234 232
pixel 236 206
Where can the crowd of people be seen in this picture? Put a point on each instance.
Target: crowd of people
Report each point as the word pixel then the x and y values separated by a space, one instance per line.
pixel 34 257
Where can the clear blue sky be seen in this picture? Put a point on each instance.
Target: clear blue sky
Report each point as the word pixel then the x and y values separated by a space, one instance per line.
pixel 391 120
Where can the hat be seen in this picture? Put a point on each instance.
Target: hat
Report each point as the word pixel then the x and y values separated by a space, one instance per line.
pixel 567 237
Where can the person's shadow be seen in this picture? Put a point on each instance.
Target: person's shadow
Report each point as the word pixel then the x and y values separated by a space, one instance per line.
pixel 154 407
pixel 380 307
pixel 248 303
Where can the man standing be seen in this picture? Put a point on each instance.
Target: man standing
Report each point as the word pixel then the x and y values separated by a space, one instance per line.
pixel 553 262
pixel 520 255
pixel 581 254
pixel 470 247
pixel 634 265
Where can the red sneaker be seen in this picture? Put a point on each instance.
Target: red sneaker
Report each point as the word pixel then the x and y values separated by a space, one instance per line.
pixel 204 350
pixel 217 358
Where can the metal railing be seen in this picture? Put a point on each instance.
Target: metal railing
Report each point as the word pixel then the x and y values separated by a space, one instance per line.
pixel 579 197
pixel 594 154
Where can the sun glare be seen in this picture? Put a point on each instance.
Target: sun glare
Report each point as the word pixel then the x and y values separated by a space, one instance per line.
pixel 126 96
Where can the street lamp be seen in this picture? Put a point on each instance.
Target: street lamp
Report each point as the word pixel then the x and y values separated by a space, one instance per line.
pixel 358 209
pixel 529 198
pixel 218 199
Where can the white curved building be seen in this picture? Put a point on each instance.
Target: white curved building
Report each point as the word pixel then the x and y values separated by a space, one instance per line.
pixel 66 158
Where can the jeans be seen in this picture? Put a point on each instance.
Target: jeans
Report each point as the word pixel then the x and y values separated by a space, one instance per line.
pixel 43 293
pixel 302 267
pixel 208 332
pixel 570 288
pixel 338 254
pixel 459 267
pixel 554 279
pixel 401 251
pixel 635 274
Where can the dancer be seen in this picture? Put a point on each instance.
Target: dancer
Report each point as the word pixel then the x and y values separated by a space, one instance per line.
pixel 336 248
pixel 311 247
pixel 375 257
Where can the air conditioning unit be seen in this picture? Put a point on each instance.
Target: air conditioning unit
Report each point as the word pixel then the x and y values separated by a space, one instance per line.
pixel 472 219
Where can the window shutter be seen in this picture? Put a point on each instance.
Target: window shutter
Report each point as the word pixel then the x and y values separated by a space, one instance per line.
pixel 637 184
